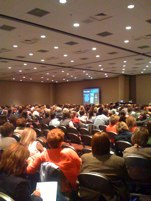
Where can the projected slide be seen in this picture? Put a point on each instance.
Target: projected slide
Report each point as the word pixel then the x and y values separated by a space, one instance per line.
pixel 91 96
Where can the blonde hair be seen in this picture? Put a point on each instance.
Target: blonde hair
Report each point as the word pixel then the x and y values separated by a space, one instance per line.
pixel 13 159
pixel 121 126
pixel 131 121
pixel 28 136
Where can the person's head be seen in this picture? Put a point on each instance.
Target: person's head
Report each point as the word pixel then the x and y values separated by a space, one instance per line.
pixel 7 129
pixel 13 159
pixel 121 126
pixel 114 119
pixel 131 121
pixel 28 135
pixel 21 122
pixel 140 136
pixel 100 143
pixel 55 138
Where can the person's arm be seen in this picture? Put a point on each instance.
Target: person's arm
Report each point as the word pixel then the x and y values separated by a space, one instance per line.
pixel 33 165
pixel 22 193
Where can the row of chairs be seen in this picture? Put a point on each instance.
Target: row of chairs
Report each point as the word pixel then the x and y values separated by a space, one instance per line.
pixel 139 181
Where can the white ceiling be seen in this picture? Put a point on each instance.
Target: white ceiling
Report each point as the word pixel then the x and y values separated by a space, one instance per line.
pixel 19 27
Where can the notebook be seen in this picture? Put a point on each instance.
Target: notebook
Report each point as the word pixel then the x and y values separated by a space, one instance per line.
pixel 48 190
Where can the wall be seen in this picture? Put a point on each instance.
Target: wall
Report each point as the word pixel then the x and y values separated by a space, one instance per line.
pixel 19 93
pixel 72 92
pixel 143 89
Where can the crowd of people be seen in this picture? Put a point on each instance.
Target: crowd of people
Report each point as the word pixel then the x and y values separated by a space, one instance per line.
pixel 22 153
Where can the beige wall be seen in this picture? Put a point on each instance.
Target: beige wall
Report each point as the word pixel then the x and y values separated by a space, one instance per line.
pixel 112 90
pixel 143 89
pixel 25 93
pixel 72 92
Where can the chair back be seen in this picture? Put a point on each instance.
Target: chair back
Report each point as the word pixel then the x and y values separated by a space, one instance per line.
pixel 120 146
pixel 96 182
pixel 138 168
pixel 102 127
pixel 86 140
pixel 50 172
pixel 72 130
pixel 84 131
pixel 4 197
pixel 73 138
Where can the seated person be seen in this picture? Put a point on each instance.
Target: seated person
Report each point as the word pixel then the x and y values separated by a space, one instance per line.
pixel 6 131
pixel 112 124
pixel 67 159
pixel 131 123
pixel 101 161
pixel 20 125
pixel 12 170
pixel 29 139
pixel 123 132
pixel 139 141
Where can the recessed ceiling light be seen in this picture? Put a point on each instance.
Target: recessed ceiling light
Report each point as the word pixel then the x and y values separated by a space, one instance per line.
pixel 13 78
pixel 56 47
pixel 25 64
pixel 67 73
pixel 47 78
pixel 42 81
pixel 42 77
pixel 31 54
pixel 35 68
pixel 15 46
pixel 124 65
pixel 72 61
pixel 101 69
pixel 76 24
pixel 126 41
pixel 100 65
pixel 75 78
pixel 24 77
pixel 128 28
pixel 30 78
pixel 62 71
pixel 9 67
pixel 144 69
pixel 124 61
pixel 97 55
pixel 147 66
pixel 93 48
pixel 20 71
pixel 150 62
pixel 123 71
pixel 83 71
pixel 43 36
pixel 65 55
pixel 131 6
pixel 47 73
pixel 63 1
pixel 53 75
pixel 42 60
pixel 142 72
pixel 20 80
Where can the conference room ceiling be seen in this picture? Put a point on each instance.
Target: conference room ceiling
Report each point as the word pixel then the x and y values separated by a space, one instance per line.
pixel 38 42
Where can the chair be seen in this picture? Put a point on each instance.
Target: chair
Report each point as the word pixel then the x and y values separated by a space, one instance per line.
pixel 73 138
pixel 63 128
pixel 38 132
pixel 84 131
pixel 4 197
pixel 72 130
pixel 102 127
pixel 112 139
pixel 86 140
pixel 95 183
pixel 95 131
pixel 138 168
pixel 51 172
pixel 120 146
pixel 51 127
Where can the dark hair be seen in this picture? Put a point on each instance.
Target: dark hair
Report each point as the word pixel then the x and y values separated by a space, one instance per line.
pixel 100 143
pixel 21 122
pixel 7 129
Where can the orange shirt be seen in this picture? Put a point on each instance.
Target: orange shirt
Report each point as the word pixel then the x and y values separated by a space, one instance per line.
pixel 67 160
pixel 111 128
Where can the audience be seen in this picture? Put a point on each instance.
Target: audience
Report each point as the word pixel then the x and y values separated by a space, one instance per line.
pixel 139 141
pixel 112 124
pixel 101 161
pixel 123 132
pixel 29 139
pixel 6 131
pixel 67 159
pixel 12 174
